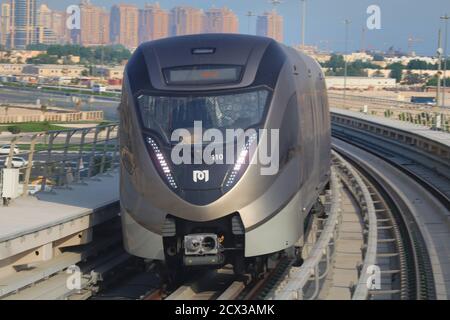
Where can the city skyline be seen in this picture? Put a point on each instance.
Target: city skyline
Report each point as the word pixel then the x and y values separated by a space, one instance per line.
pixel 324 22
pixel 410 40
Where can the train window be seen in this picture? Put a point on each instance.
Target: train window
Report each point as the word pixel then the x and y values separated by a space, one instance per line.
pixel 164 114
pixel 202 74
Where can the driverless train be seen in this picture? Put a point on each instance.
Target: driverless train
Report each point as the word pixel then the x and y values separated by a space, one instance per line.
pixel 201 214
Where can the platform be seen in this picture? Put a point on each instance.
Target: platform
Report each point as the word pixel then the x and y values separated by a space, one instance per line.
pixel 33 221
pixel 419 130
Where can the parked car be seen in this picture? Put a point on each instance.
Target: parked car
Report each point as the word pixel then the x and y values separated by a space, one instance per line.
pixel 5 149
pixel 17 162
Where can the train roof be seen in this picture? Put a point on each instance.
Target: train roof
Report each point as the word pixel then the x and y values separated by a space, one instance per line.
pixel 261 59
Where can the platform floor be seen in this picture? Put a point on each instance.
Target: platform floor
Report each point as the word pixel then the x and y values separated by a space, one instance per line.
pixel 29 214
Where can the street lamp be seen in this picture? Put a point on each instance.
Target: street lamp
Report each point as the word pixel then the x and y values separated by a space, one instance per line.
pixel 439 52
pixel 446 17
pixel 303 21
pixel 347 23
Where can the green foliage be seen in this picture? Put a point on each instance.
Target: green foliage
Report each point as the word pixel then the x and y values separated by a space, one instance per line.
pixel 97 164
pixel 396 71
pixel 37 47
pixel 413 78
pixel 336 66
pixel 112 54
pixel 14 129
pixel 432 82
pixel 420 65
pixel 43 59
pixel 335 62
pixel 33 127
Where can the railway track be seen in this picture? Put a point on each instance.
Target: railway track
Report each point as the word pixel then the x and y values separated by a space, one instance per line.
pixel 411 257
pixel 389 238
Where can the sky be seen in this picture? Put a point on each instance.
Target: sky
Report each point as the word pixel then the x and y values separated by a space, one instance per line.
pixel 400 19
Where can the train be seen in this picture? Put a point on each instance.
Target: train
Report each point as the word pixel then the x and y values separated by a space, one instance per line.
pixel 207 212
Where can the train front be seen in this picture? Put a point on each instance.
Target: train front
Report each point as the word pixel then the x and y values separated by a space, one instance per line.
pixel 182 199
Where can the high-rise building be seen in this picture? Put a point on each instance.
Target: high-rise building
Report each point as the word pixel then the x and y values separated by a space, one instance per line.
pixel 270 24
pixel 221 20
pixel 186 20
pixel 153 23
pixel 23 30
pixel 94 25
pixel 125 25
pixel 59 26
pixel 5 23
pixel 45 33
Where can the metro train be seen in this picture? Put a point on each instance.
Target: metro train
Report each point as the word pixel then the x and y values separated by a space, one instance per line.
pixel 207 215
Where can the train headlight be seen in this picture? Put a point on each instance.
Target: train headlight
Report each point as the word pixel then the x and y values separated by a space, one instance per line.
pixel 162 163
pixel 201 244
pixel 240 162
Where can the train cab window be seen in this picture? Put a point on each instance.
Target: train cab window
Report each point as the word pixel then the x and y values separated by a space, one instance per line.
pixel 164 114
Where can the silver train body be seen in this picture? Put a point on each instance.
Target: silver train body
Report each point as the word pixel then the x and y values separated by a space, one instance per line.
pixel 169 83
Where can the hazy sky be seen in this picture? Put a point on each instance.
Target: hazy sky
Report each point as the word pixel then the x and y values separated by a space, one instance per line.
pixel 399 20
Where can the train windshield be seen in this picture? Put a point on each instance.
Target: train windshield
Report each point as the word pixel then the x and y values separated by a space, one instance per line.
pixel 165 114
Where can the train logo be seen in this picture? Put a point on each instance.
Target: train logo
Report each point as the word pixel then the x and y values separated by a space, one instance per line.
pixel 200 175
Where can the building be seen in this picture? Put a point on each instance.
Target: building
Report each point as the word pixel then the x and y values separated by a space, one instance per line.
pixel 360 83
pixel 51 26
pixel 185 20
pixel 153 23
pixel 23 30
pixel 355 56
pixel 124 27
pixel 94 26
pixel 59 27
pixel 221 20
pixel 5 23
pixel 11 69
pixel 270 24
pixel 56 71
pixel 107 72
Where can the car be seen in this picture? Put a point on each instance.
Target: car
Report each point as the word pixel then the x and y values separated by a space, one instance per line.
pixel 17 162
pixel 5 149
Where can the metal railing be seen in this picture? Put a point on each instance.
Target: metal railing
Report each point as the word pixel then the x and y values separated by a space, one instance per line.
pixel 320 259
pixel 294 286
pixel 399 110
pixel 48 160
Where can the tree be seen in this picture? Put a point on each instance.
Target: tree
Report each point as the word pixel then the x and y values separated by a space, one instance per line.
pixel 14 129
pixel 432 82
pixel 421 65
pixel 412 78
pixel 43 59
pixel 335 62
pixel 396 71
